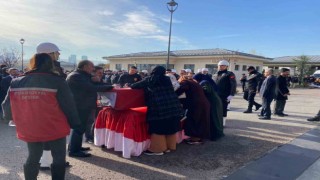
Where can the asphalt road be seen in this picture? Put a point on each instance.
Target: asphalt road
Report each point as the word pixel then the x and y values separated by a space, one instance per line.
pixel 247 139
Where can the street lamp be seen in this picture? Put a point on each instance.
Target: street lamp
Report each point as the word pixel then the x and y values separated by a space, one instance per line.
pixel 22 41
pixel 172 6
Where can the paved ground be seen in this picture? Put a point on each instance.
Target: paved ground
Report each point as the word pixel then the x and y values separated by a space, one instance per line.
pixel 247 140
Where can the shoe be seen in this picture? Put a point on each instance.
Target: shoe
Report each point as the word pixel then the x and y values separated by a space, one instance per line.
pixel 190 142
pixel 85 149
pixel 317 118
pixel 90 141
pixel 80 154
pixel 259 115
pixel 247 111
pixel 281 115
pixel 167 151
pixel 150 153
pixel 258 107
pixel 45 168
pixel 264 118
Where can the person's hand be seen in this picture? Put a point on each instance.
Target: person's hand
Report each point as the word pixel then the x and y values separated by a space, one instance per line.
pixel 229 98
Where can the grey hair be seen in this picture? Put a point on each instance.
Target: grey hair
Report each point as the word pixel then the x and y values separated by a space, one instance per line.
pixel 270 70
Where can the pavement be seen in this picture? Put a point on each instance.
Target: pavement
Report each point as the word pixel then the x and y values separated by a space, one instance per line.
pixel 280 148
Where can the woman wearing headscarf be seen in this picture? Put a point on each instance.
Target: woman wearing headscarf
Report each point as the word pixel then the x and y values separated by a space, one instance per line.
pixel 216 114
pixel 197 124
pixel 164 111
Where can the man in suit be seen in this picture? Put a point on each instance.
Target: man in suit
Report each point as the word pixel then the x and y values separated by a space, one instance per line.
pixel 282 92
pixel 267 93
pixel 85 97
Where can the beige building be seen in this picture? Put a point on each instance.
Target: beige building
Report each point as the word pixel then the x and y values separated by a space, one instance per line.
pixel 189 59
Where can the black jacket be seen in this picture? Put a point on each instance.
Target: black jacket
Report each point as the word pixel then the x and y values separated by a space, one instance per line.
pixel 84 91
pixel 226 82
pixel 282 88
pixel 129 78
pixel 5 84
pixel 254 81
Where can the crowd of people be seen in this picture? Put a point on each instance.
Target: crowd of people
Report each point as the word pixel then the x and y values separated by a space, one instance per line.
pixel 45 103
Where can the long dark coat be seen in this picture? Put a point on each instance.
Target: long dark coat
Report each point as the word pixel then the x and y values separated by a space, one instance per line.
pixel 164 109
pixel 282 88
pixel 197 123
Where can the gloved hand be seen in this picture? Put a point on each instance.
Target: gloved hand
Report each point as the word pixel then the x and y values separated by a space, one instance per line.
pixel 229 98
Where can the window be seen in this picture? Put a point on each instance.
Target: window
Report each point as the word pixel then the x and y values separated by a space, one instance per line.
pixel 212 68
pixel 189 66
pixel 236 67
pixel 118 67
pixel 244 68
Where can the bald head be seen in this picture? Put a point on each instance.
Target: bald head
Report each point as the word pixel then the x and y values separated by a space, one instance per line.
pixel 268 72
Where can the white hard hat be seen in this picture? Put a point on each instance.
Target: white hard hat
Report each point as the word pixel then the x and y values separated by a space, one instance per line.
pixel 47 47
pixel 223 63
pixel 204 69
pixel 188 70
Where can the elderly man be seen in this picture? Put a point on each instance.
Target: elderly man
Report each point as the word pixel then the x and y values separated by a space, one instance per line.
pixel 205 71
pixel 267 93
pixel 85 95
pixel 226 82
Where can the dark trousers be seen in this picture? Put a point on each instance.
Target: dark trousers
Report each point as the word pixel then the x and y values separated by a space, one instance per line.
pixel 77 134
pixel 249 96
pixel 58 151
pixel 243 87
pixel 279 106
pixel 266 110
pixel 90 125
pixel 224 105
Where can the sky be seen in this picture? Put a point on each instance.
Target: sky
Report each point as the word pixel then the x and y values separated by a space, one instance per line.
pixel 97 28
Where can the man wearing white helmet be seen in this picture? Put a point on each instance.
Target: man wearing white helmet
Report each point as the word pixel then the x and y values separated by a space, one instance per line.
pixel 53 51
pixel 226 82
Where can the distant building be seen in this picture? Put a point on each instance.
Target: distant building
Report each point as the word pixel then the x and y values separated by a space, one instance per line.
pixel 72 59
pixel 288 62
pixel 67 66
pixel 84 57
pixel 189 59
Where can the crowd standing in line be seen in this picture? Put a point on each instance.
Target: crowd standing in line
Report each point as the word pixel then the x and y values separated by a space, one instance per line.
pixel 195 102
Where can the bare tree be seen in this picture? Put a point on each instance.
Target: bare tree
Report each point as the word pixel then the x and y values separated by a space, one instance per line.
pixel 10 57
pixel 302 66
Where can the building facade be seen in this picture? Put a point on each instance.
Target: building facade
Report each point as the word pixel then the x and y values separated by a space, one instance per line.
pixel 189 59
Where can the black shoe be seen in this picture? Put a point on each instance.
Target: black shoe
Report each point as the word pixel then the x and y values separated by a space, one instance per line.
pixel 41 168
pixel 150 153
pixel 48 168
pixel 281 115
pixel 80 154
pixel 317 118
pixel 264 118
pixel 85 149
pixel 247 111
pixel 258 107
pixel 259 115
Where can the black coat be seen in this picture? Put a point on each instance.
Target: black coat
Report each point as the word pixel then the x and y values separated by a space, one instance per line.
pixel 254 81
pixel 282 88
pixel 84 91
pixel 5 84
pixel 226 82
pixel 129 79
